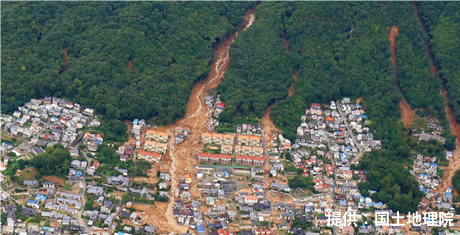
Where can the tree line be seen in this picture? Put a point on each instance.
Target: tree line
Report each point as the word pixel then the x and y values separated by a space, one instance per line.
pixel 170 43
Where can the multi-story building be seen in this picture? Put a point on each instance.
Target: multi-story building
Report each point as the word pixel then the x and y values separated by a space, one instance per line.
pixel 149 156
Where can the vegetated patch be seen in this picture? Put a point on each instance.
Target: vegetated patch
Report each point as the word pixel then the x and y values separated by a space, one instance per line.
pixel 29 173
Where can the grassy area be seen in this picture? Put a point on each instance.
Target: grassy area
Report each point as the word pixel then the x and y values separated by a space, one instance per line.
pixel 68 187
pixel 239 119
pixel 8 138
pixel 419 123
pixel 215 151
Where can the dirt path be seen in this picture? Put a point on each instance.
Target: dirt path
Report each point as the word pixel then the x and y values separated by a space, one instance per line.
pixel 392 37
pixel 182 156
pixel 268 126
pixel 286 42
pixel 130 64
pixel 406 112
pixel 292 88
pixel 66 57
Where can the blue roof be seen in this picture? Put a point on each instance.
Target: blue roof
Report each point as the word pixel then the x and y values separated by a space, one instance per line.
pixel 31 201
pixel 200 228
pixel 40 197
pixel 449 194
pixel 46 228
pixel 226 173
pixel 450 188
pixel 7 143
pixel 434 164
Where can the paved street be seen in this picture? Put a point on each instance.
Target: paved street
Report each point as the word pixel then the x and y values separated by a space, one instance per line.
pixel 352 134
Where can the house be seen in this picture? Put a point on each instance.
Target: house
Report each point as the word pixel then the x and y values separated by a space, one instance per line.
pixel 188 178
pixel 347 174
pixel 32 203
pixel 31 183
pixel 118 181
pixel 95 165
pixel 29 212
pixel 48 184
pixel 320 221
pixel 228 139
pixel 427 137
pixel 37 150
pixel 10 208
pixel 226 149
pixel 251 199
pixel 149 156
pixel 206 138
pixel 435 126
pixel 157 135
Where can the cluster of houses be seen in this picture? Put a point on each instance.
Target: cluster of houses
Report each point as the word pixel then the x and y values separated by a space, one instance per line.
pixel 92 141
pixel 48 202
pixel 154 146
pixel 126 152
pixel 136 130
pixel 247 149
pixel 215 107
pixel 426 172
pixel 435 130
pixel 326 134
pixel 49 121
pixel 180 134
pixel 248 129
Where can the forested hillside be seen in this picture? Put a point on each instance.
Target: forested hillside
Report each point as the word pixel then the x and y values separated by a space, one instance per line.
pixel 170 45
pixel 334 62
pixel 260 72
pixel 443 22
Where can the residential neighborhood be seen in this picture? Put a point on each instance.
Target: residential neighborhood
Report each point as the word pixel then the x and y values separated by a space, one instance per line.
pixel 242 182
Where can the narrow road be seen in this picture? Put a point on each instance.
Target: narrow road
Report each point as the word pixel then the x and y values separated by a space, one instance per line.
pixel 83 201
pixel 342 114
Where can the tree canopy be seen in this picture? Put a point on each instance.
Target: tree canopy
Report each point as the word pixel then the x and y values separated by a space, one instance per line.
pixel 169 43
pixel 54 161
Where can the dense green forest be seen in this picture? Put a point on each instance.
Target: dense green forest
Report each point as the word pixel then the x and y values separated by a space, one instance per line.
pixel 259 72
pixel 54 161
pixel 441 19
pixel 170 43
